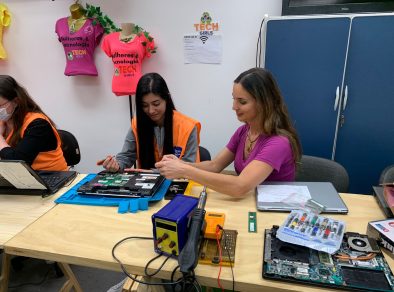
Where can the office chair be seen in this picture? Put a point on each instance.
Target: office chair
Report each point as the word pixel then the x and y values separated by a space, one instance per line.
pixel 312 168
pixel 70 148
pixel 387 175
pixel 204 154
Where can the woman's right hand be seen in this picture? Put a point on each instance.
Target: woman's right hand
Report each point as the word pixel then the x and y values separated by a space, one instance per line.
pixel 109 163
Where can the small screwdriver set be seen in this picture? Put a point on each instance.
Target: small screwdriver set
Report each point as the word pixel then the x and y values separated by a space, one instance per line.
pixel 312 230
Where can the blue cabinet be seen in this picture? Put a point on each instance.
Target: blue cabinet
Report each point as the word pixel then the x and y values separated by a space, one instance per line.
pixel 337 77
pixel 307 58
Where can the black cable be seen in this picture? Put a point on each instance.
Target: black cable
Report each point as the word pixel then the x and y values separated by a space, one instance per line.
pixel 159 268
pixel 258 53
pixel 127 273
pixel 173 273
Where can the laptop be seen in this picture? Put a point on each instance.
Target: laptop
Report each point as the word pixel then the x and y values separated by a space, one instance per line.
pixel 358 265
pixel 130 184
pixel 18 178
pixel 382 201
pixel 323 193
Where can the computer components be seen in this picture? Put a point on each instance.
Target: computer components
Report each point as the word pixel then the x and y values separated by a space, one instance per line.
pixel 358 264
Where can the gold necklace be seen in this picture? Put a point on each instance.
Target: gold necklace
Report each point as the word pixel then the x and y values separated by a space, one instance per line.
pixel 251 143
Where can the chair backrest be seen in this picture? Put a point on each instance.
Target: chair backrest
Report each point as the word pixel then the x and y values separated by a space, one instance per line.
pixel 204 154
pixel 70 148
pixel 387 175
pixel 318 169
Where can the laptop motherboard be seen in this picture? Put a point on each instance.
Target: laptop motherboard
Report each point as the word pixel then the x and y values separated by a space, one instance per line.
pixel 357 265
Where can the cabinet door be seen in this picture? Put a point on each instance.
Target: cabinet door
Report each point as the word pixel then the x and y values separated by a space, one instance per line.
pixel 307 57
pixel 365 143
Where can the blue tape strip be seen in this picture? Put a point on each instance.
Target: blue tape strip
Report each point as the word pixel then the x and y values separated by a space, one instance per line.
pixel 123 207
pixel 134 205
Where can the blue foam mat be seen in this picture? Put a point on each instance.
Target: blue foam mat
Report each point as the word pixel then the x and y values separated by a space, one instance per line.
pixel 125 204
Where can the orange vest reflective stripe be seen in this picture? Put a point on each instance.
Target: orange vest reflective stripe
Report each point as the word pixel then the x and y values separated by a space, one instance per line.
pixel 50 160
pixel 182 126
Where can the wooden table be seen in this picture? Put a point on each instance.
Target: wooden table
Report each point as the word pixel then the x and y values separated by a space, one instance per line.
pixel 85 235
pixel 19 211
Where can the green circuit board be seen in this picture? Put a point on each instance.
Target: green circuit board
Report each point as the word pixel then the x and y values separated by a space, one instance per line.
pixel 358 264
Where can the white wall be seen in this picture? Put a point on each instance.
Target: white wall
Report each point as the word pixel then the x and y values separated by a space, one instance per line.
pixel 86 106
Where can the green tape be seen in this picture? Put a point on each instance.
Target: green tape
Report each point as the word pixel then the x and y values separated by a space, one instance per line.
pixel 252 222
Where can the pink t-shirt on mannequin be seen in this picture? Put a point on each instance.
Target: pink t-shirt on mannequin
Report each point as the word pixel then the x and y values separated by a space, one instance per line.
pixel 79 46
pixel 127 58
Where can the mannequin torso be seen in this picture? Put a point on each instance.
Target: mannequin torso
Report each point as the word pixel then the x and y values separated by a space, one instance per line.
pixel 77 18
pixel 127 34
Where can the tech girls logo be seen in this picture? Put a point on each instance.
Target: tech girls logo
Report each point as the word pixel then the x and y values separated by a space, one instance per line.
pixel 206 27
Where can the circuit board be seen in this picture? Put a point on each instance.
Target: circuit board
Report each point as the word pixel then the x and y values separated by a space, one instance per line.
pixel 127 184
pixel 209 253
pixel 357 265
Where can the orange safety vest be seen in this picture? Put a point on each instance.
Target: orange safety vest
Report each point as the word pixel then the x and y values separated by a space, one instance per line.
pixel 50 160
pixel 182 126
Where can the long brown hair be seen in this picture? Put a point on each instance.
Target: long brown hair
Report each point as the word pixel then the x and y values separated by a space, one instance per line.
pixel 274 116
pixel 153 83
pixel 12 91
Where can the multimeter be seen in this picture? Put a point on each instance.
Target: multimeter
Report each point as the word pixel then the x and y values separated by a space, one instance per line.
pixel 213 219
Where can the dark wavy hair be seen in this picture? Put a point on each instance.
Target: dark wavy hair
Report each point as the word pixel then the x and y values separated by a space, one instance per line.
pixel 153 83
pixel 12 91
pixel 274 116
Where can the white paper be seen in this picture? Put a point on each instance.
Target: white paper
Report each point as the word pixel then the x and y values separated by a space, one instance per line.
pixel 202 49
pixel 19 176
pixel 283 193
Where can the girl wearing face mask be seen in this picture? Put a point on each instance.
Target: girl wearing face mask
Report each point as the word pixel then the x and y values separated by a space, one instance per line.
pixel 26 133
pixel 158 130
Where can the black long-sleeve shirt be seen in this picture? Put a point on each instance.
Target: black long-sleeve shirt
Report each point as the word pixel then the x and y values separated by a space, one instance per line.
pixel 38 137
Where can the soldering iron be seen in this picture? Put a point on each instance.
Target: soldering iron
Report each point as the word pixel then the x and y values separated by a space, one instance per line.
pixel 188 258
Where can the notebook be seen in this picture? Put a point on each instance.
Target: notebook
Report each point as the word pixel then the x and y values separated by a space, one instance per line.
pixel 322 192
pixel 130 184
pixel 18 178
pixel 358 265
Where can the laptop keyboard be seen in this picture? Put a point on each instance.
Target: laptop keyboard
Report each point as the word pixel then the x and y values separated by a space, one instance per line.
pixel 51 181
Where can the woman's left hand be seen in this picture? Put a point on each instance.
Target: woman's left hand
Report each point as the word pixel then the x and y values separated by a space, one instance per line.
pixel 171 168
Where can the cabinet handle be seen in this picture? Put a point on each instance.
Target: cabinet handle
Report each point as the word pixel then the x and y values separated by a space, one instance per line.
pixel 336 99
pixel 345 98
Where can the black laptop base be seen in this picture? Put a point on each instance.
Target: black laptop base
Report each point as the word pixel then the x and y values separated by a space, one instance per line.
pixel 128 184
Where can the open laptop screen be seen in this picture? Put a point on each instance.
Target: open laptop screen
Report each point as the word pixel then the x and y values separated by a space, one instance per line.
pixel 17 177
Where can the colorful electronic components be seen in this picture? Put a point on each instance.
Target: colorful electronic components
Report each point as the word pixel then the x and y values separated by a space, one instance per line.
pixel 308 226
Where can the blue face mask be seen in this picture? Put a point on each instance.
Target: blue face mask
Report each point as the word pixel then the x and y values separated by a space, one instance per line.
pixel 4 116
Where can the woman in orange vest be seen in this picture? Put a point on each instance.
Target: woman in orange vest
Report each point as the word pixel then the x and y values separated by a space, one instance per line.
pixel 26 133
pixel 158 129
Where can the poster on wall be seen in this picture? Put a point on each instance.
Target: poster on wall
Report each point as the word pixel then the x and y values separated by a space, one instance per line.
pixel 204 46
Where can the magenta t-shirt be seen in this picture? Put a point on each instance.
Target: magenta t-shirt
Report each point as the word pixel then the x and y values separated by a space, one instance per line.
pixel 79 46
pixel 273 150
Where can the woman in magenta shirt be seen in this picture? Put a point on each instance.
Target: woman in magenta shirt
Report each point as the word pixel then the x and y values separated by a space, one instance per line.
pixel 266 148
